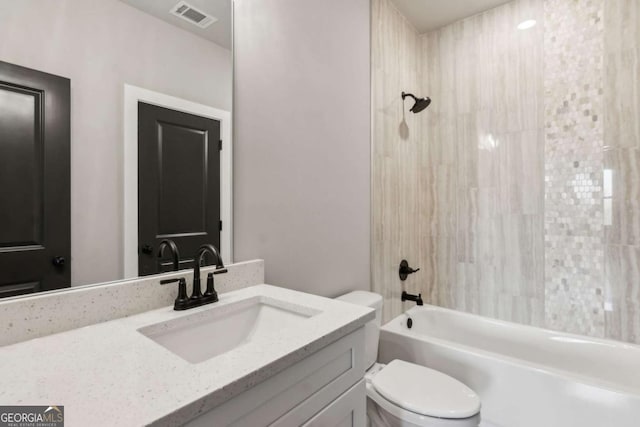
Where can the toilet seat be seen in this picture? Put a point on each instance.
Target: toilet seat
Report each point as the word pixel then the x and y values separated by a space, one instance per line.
pixel 417 419
pixel 425 391
pixel 422 396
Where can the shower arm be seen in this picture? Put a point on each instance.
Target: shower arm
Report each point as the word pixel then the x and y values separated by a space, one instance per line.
pixel 404 95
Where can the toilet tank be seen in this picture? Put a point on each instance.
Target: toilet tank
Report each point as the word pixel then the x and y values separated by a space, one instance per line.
pixel 371 329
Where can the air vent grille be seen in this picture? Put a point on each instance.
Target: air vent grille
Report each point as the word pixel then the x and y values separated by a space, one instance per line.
pixel 195 16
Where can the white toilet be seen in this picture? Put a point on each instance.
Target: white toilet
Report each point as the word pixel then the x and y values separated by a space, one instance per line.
pixel 403 394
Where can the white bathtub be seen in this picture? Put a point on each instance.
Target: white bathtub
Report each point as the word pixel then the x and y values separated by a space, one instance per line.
pixel 525 376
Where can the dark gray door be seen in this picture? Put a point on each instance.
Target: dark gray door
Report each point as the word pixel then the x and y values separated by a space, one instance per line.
pixel 178 184
pixel 35 237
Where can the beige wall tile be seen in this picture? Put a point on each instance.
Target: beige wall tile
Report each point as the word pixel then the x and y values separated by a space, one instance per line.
pixel 507 165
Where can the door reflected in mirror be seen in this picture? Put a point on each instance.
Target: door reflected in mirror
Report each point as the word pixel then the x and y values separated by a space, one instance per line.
pixel 115 133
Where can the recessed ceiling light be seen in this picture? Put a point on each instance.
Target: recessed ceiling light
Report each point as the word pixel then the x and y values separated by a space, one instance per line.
pixel 525 25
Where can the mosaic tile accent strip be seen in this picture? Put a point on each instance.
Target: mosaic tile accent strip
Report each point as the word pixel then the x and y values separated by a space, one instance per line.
pixel 574 233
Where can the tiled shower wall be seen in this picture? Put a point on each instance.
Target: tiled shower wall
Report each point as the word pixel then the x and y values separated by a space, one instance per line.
pixel 486 80
pixel 518 191
pixel 396 193
pixel 621 192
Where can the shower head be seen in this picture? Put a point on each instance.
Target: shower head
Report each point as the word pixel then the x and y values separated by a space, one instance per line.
pixel 420 103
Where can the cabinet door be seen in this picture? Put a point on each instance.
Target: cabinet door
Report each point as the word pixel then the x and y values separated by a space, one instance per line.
pixel 294 395
pixel 349 410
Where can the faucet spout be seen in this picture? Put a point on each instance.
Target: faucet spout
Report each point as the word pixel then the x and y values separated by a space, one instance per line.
pixel 173 248
pixel 209 248
pixel 202 251
pixel 409 297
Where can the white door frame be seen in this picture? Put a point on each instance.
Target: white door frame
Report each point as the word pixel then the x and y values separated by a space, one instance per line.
pixel 133 95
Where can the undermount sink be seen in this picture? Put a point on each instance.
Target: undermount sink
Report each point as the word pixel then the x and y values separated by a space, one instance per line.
pixel 221 328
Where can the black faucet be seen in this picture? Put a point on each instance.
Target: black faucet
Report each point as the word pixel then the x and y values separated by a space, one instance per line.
pixel 409 297
pixel 197 298
pixel 173 248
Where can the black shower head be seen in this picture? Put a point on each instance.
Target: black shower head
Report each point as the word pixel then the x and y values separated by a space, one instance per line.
pixel 420 103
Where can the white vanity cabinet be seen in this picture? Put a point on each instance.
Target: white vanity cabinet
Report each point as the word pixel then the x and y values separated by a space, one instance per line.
pixel 324 389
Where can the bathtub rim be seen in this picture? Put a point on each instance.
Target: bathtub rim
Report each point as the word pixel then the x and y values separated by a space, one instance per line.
pixel 394 326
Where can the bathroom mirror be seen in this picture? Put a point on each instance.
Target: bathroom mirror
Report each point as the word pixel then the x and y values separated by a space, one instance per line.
pixel 115 133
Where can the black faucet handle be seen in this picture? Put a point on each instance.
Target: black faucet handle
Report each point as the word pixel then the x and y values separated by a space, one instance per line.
pixel 405 270
pixel 181 302
pixel 210 295
pixel 220 271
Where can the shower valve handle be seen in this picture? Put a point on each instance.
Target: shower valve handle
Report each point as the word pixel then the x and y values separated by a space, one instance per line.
pixel 405 270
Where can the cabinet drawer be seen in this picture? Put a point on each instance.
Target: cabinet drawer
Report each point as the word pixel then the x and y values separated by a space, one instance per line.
pixel 319 378
pixel 349 410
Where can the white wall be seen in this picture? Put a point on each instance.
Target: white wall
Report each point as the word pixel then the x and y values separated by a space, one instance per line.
pixel 302 141
pixel 100 45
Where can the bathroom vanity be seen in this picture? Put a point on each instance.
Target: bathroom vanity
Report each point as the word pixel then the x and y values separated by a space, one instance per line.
pixel 262 355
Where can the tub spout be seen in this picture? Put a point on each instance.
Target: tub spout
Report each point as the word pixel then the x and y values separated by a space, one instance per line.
pixel 410 297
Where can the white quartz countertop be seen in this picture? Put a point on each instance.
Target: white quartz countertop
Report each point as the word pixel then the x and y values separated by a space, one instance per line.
pixel 109 374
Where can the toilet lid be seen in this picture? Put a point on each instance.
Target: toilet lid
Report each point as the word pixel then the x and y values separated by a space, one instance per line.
pixel 425 391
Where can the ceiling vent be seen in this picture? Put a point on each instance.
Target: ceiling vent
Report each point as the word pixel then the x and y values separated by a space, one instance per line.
pixel 189 13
